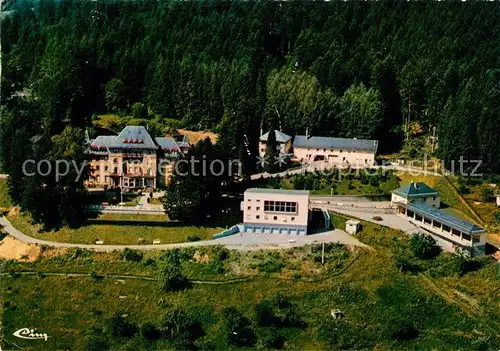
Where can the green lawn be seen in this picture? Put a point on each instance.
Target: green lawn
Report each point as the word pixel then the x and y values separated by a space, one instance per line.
pixel 365 285
pixel 120 229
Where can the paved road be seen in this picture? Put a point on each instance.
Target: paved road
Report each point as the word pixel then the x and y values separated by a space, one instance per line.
pixel 240 241
pixel 318 166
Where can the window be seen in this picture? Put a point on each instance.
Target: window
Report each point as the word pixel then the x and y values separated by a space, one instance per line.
pixel 258 208
pixel 466 236
pixel 475 239
pixel 258 200
pixel 292 219
pixel 249 208
pixel 96 168
pixel 280 206
pixel 275 218
pixel 257 217
pixel 106 168
pixel 249 200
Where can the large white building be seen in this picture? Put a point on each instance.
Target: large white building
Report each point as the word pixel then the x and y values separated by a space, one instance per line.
pixel 419 203
pixel 275 211
pixel 335 151
pixel 340 152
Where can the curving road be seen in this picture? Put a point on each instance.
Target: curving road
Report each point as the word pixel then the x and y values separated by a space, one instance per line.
pixel 241 241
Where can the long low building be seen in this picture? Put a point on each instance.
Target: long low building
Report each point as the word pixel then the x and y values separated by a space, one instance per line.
pixel 453 229
pixel 338 151
pixel 277 211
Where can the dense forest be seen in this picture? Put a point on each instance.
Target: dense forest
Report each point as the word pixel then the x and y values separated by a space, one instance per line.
pixel 396 72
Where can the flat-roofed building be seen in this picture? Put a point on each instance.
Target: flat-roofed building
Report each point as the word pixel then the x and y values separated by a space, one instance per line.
pixel 335 151
pixel 416 191
pixel 460 232
pixel 275 211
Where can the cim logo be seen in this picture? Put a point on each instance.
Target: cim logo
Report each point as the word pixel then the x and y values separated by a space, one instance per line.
pixel 29 334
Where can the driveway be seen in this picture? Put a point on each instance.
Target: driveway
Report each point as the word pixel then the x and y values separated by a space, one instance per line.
pixel 326 167
pixel 389 220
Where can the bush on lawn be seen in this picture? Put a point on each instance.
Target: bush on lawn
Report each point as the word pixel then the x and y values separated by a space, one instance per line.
pixel 181 329
pixel 149 331
pixel 193 238
pixel 119 327
pixel 238 330
pixel 132 255
pixel 170 278
pixel 424 246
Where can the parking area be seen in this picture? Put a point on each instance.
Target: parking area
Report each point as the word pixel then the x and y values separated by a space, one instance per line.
pixel 390 220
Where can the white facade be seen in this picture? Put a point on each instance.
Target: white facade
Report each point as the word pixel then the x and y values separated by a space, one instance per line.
pixel 335 156
pixel 433 201
pixel 352 226
pixel 283 148
pixel 275 211
pixel 474 240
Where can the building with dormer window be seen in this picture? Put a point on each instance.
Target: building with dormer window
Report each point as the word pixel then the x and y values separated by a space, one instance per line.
pixel 133 159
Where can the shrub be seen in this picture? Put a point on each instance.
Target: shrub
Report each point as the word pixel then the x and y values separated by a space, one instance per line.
pixel 132 255
pixel 149 331
pixel 339 335
pixel 96 343
pixel 96 277
pixel 181 329
pixel 119 327
pixel 403 330
pixel 238 328
pixel 497 216
pixel 170 278
pixel 193 238
pixel 404 264
pixel 139 110
pixel 463 189
pixel 271 265
pixel 277 312
pixel 271 338
pixel 486 193
pixel 424 246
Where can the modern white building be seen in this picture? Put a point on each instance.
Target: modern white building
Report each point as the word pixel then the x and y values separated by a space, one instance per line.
pixel 416 192
pixel 275 211
pixel 335 151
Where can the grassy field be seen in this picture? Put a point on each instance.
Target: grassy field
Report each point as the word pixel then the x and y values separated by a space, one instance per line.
pixel 373 294
pixel 117 229
pixel 120 229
